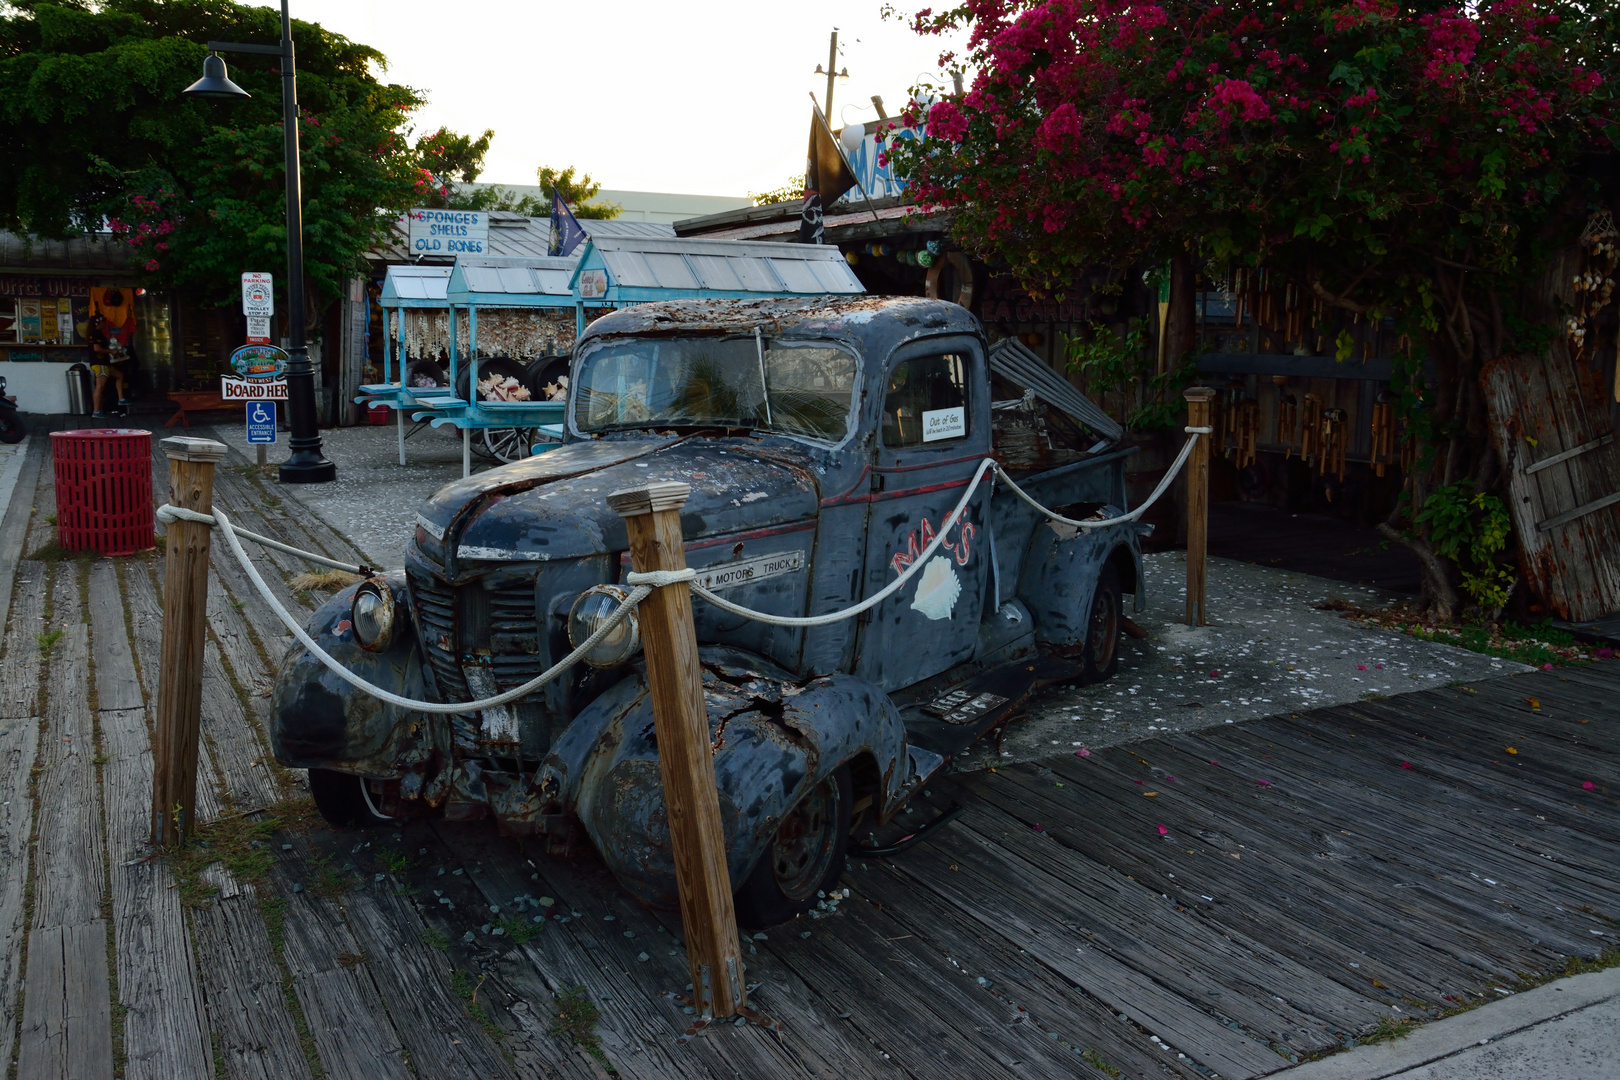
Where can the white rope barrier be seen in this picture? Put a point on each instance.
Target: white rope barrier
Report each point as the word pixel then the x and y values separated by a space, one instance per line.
pixel 642 584
pixel 988 464
pixel 168 513
pixel 637 594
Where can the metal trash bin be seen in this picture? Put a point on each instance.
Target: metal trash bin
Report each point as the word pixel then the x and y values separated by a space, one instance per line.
pixel 81 390
pixel 104 490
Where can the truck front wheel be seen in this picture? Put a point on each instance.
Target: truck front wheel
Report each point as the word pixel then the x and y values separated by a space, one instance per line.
pixel 1100 659
pixel 342 798
pixel 805 857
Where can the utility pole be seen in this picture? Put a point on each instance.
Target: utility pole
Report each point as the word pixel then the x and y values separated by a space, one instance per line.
pixel 832 73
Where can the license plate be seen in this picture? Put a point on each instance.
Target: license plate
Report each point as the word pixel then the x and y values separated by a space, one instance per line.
pixel 963 706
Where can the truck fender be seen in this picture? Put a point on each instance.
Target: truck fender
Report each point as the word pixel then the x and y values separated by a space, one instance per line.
pixel 773 737
pixel 318 721
pixel 1060 574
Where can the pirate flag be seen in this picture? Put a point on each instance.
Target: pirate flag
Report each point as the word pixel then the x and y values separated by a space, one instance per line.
pixel 826 176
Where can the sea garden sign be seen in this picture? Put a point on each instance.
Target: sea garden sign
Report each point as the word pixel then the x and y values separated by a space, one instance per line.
pixel 261 375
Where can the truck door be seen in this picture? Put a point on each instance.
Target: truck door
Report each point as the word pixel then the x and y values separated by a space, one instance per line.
pixel 933 432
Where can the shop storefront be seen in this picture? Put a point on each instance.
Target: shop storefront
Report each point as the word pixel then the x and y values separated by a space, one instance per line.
pixel 70 303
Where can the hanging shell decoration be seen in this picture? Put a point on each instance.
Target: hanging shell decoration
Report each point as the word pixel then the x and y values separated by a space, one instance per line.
pixel 1594 285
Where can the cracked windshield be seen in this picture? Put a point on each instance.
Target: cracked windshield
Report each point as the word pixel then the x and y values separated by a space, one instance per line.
pixel 738 381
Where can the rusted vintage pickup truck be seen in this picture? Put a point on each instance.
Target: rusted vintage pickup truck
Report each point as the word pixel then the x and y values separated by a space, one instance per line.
pixel 824 440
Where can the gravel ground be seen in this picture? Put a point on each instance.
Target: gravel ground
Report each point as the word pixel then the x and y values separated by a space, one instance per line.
pixel 374 500
pixel 1269 651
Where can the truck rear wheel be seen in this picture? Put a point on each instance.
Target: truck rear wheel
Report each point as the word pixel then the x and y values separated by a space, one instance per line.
pixel 342 798
pixel 804 859
pixel 1100 659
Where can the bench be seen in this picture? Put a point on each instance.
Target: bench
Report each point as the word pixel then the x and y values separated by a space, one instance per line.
pixel 194 400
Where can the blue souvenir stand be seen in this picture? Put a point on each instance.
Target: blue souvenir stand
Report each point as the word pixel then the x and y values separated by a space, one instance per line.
pixel 405 287
pixel 608 272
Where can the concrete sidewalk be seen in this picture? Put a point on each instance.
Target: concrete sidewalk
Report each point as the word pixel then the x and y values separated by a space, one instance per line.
pixel 1566 1030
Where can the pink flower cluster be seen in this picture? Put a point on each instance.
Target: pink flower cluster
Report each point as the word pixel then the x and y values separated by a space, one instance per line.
pixel 1236 99
pixel 1453 38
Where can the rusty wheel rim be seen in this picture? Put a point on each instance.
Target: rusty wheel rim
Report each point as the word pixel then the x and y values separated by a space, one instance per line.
pixel 803 849
pixel 1103 636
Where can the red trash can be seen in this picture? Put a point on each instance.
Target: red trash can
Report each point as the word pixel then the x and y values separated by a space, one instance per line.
pixel 104 490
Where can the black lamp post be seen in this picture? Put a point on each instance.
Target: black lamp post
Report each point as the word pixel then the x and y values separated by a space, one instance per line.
pixel 307 465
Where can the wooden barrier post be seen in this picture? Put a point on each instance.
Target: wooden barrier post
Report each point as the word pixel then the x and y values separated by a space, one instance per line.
pixel 1198 399
pixel 185 625
pixel 653 519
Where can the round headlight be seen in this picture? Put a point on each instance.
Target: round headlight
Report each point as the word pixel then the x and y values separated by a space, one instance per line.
pixel 372 613
pixel 588 614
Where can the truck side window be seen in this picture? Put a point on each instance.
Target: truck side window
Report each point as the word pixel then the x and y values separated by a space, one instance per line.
pixel 926 401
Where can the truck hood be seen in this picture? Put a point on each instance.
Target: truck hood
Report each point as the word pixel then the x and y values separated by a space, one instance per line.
pixel 554 506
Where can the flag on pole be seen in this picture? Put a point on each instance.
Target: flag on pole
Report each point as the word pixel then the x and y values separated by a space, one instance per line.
pixel 826 177
pixel 566 234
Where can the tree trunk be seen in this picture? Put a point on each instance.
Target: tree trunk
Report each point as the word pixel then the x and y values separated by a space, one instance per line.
pixel 1181 328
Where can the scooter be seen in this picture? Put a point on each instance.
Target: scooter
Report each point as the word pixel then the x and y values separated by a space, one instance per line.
pixel 11 425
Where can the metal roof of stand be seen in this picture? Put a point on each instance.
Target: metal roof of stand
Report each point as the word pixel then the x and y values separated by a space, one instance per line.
pixel 541 281
pixel 415 286
pixel 638 270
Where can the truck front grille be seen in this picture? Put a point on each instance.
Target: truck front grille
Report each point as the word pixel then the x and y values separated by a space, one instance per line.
pixel 472 624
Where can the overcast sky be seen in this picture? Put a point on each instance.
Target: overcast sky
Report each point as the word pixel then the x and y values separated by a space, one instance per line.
pixel 704 98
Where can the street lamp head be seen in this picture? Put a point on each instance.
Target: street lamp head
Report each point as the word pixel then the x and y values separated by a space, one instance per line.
pixel 214 83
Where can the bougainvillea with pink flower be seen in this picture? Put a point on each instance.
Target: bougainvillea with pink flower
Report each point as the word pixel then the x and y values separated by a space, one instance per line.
pixel 1423 162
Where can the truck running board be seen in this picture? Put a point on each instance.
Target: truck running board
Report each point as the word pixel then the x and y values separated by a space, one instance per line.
pixel 911 839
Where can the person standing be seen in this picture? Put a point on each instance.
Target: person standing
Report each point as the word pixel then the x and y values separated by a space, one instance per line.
pixel 112 324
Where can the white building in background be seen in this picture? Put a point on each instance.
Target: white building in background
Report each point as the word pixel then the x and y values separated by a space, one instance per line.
pixel 662 207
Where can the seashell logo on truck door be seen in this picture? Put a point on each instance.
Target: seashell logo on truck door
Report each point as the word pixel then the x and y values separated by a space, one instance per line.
pixel 939 586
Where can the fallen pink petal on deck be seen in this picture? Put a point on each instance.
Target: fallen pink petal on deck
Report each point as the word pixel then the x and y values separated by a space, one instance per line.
pixel 1588 785
pixel 1082 752
pixel 1406 764
pixel 1163 831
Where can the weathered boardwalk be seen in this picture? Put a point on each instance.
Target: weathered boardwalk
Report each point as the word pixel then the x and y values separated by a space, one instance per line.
pixel 1211 904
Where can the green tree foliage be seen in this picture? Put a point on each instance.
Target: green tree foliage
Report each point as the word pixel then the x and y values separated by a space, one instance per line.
pixel 577 192
pixel 792 191
pixel 1424 161
pixel 94 133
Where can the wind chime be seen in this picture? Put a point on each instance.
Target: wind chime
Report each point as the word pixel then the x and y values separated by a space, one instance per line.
pixel 1594 285
pixel 1287 415
pixel 1310 429
pixel 1240 426
pixel 1335 439
pixel 1383 433
pixel 1240 295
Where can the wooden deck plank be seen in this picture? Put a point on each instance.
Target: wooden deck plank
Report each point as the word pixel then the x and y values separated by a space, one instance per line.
pixel 69 870
pixel 996 892
pixel 637 1029
pixel 1297 850
pixel 19 746
pixel 67 1013
pixel 347 1019
pixel 252 1024
pixel 1454 852
pixel 1286 899
pixel 917 1004
pixel 440 1038
pixel 165 1029
pixel 812 1030
pixel 1053 1005
pixel 1265 992
pixel 14 528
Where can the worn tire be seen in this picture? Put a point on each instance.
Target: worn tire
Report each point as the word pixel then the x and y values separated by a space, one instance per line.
pixel 542 371
pixel 1099 659
pixel 425 371
pixel 490 365
pixel 341 799
pixel 805 857
pixel 11 428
